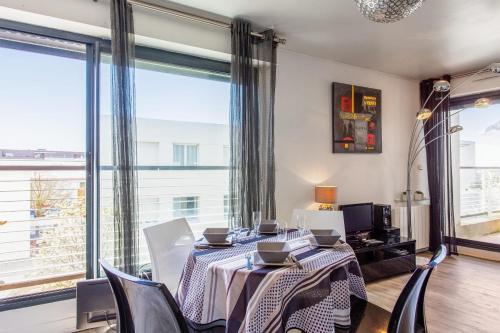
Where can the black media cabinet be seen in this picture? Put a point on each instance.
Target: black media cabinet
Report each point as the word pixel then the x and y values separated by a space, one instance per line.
pixel 384 260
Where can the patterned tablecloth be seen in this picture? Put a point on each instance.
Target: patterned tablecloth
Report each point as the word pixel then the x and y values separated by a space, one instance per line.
pixel 217 285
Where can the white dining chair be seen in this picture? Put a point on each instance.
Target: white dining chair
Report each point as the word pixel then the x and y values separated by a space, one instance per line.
pixel 321 219
pixel 169 245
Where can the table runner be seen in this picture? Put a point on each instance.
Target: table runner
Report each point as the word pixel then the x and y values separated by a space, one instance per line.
pixel 216 285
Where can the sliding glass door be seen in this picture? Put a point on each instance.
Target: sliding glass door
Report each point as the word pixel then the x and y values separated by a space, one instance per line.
pixel 43 159
pixel 182 139
pixel 478 167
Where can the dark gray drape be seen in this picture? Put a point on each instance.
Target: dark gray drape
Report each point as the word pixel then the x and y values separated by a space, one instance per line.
pixel 253 80
pixel 126 229
pixel 439 170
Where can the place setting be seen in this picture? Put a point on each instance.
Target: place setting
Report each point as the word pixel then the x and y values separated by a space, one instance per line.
pixel 215 238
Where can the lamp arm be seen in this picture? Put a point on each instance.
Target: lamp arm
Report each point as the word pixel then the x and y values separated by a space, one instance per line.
pixel 428 143
pixel 433 127
pixel 416 120
pixel 482 70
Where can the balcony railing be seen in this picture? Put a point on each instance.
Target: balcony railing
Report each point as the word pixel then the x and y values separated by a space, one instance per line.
pixel 43 217
pixel 479 193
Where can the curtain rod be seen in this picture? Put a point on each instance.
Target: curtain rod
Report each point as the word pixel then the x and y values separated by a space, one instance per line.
pixel 193 17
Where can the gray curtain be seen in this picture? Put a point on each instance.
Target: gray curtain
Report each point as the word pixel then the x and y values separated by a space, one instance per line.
pixel 126 228
pixel 439 170
pixel 253 80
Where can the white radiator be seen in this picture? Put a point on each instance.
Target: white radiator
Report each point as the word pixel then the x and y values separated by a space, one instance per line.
pixel 420 223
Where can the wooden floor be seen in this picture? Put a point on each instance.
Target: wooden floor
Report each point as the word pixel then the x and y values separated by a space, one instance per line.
pixel 463 295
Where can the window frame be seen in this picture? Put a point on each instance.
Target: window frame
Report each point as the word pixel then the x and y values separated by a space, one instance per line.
pixel 465 101
pixel 95 47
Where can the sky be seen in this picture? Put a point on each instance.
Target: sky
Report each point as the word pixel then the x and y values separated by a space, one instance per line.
pixel 43 100
pixel 487 142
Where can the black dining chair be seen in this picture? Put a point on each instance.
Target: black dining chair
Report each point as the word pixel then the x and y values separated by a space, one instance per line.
pixel 148 307
pixel 408 314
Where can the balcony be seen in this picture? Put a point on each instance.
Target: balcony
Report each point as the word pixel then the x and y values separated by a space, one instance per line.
pixel 479 194
pixel 43 216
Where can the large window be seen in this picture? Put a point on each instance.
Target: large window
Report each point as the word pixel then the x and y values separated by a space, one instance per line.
pixel 56 193
pixel 182 128
pixel 42 163
pixel 478 168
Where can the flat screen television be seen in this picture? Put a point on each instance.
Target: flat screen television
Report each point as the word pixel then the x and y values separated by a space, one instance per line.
pixel 358 217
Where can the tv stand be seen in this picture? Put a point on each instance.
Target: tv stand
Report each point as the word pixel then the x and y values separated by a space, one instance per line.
pixel 394 256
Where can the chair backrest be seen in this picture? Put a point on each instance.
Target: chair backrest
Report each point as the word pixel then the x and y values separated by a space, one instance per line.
pixel 169 245
pixel 408 315
pixel 143 306
pixel 321 219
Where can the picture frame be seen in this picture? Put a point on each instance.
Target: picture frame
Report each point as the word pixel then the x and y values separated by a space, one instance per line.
pixel 356 119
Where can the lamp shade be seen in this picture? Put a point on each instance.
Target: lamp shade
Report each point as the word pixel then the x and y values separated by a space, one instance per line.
pixel 325 194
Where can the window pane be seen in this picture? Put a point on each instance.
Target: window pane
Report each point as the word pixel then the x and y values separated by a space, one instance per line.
pixel 179 154
pixel 192 155
pixel 185 112
pixel 42 164
pixel 479 174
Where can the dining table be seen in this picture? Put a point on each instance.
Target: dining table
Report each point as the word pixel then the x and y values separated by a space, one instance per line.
pixel 313 295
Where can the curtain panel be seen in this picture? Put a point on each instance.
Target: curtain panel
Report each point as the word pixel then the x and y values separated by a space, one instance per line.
pixel 125 200
pixel 439 168
pixel 253 81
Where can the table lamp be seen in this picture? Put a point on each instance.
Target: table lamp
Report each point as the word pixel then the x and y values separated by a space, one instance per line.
pixel 326 196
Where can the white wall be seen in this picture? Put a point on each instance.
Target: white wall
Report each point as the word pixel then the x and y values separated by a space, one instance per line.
pixel 303 130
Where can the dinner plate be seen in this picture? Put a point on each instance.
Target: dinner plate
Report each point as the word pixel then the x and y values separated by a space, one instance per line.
pixel 257 260
pixel 207 244
pixel 268 232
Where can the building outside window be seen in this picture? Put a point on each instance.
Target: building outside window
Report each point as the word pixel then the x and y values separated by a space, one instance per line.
pixel 185 154
pixel 226 154
pixel 185 207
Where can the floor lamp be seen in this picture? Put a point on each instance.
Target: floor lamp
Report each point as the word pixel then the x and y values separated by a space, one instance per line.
pixel 424 114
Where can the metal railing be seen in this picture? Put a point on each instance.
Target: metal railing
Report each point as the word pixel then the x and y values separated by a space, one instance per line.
pixel 479 192
pixel 43 217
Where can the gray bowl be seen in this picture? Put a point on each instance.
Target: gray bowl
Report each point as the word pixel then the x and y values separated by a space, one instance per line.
pixel 216 235
pixel 325 237
pixel 275 252
pixel 267 226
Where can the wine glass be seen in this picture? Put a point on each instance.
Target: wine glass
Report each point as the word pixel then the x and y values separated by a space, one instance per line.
pixel 299 219
pixel 256 220
pixel 282 231
pixel 236 226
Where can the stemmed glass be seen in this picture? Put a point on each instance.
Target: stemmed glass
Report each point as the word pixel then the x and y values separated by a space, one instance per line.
pixel 301 225
pixel 256 220
pixel 282 231
pixel 236 226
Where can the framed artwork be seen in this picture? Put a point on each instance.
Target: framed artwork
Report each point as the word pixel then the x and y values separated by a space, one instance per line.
pixel 357 119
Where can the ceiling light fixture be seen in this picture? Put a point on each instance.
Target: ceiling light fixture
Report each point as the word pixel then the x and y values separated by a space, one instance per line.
pixel 387 11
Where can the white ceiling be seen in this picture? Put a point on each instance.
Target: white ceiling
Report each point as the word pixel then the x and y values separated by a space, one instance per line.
pixel 443 36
